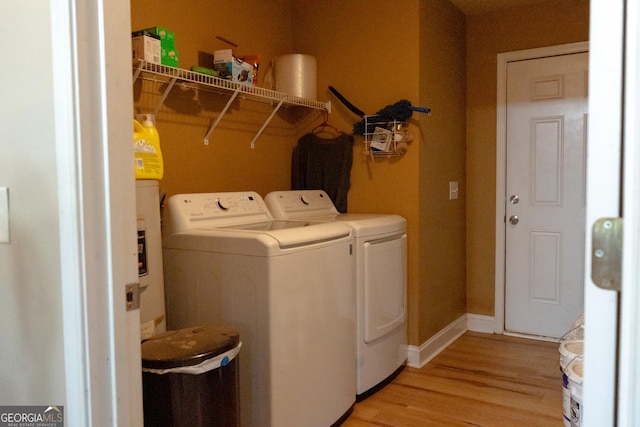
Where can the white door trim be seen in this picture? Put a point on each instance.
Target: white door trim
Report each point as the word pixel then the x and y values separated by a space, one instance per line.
pixel 74 289
pixel 93 106
pixel 629 354
pixel 501 159
pixel 606 47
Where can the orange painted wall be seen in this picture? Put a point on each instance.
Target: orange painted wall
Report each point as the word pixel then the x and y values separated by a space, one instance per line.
pixel 442 159
pixel 227 163
pixel 542 24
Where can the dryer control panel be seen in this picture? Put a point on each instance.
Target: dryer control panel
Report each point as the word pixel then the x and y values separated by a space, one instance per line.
pixel 299 204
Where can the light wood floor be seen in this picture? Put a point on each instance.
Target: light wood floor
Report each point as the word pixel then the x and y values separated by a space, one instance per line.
pixel 479 380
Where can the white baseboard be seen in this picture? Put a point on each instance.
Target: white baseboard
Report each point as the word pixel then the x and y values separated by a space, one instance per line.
pixel 480 323
pixel 417 357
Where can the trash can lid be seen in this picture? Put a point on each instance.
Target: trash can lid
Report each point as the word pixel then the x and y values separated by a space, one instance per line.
pixel 187 347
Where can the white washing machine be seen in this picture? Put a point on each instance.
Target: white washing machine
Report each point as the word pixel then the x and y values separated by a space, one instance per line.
pixel 381 281
pixel 286 286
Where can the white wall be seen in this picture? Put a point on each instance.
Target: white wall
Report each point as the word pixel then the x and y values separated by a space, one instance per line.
pixel 31 353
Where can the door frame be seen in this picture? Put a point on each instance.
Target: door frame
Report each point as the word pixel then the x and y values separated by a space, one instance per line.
pixel 501 161
pixel 93 107
pixel 628 397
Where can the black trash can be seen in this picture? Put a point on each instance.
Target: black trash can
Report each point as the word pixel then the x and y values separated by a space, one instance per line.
pixel 190 377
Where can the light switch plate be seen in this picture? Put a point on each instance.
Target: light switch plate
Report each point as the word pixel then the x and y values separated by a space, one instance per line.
pixel 453 190
pixel 4 215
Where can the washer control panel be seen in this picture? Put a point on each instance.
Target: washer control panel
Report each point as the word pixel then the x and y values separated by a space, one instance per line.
pixel 198 210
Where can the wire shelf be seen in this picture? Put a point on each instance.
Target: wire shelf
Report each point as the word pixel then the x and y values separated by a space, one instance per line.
pixel 195 80
pixel 252 92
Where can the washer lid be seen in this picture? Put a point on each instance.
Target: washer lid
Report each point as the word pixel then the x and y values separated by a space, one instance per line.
pixel 187 347
pixel 266 225
pixel 290 234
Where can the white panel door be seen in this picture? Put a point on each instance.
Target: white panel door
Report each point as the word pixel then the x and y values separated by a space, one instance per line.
pixel 545 192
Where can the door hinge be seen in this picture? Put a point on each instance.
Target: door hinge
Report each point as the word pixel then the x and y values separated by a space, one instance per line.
pixel 606 253
pixel 133 296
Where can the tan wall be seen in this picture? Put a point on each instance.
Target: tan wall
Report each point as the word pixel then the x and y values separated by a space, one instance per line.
pixel 227 163
pixel 442 159
pixel 543 24
pixel 362 55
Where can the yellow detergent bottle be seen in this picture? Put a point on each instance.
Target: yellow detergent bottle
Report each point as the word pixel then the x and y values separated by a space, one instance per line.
pixel 146 147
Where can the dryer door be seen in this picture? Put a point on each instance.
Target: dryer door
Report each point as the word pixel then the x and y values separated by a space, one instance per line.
pixel 384 285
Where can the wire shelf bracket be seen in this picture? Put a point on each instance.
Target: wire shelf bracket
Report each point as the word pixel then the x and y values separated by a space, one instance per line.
pixel 222 113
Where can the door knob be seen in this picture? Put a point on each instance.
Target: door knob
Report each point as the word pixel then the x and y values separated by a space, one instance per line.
pixel 514 219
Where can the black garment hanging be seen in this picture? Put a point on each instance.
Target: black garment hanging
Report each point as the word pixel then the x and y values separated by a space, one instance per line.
pixel 324 164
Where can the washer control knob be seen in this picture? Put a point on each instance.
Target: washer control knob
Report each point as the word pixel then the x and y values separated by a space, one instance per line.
pixel 221 206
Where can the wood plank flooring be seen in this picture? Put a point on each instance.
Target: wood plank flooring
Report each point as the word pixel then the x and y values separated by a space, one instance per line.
pixel 479 380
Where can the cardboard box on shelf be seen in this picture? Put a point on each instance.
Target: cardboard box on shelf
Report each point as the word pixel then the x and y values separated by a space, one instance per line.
pixel 231 68
pixel 147 48
pixel 161 51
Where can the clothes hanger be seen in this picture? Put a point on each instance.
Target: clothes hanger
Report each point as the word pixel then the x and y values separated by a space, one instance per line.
pixel 325 127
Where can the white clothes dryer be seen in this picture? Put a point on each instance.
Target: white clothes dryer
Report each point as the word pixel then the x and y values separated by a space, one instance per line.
pixel 286 286
pixel 381 281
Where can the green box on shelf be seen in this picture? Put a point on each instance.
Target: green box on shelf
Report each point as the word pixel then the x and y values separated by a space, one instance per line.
pixel 169 57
